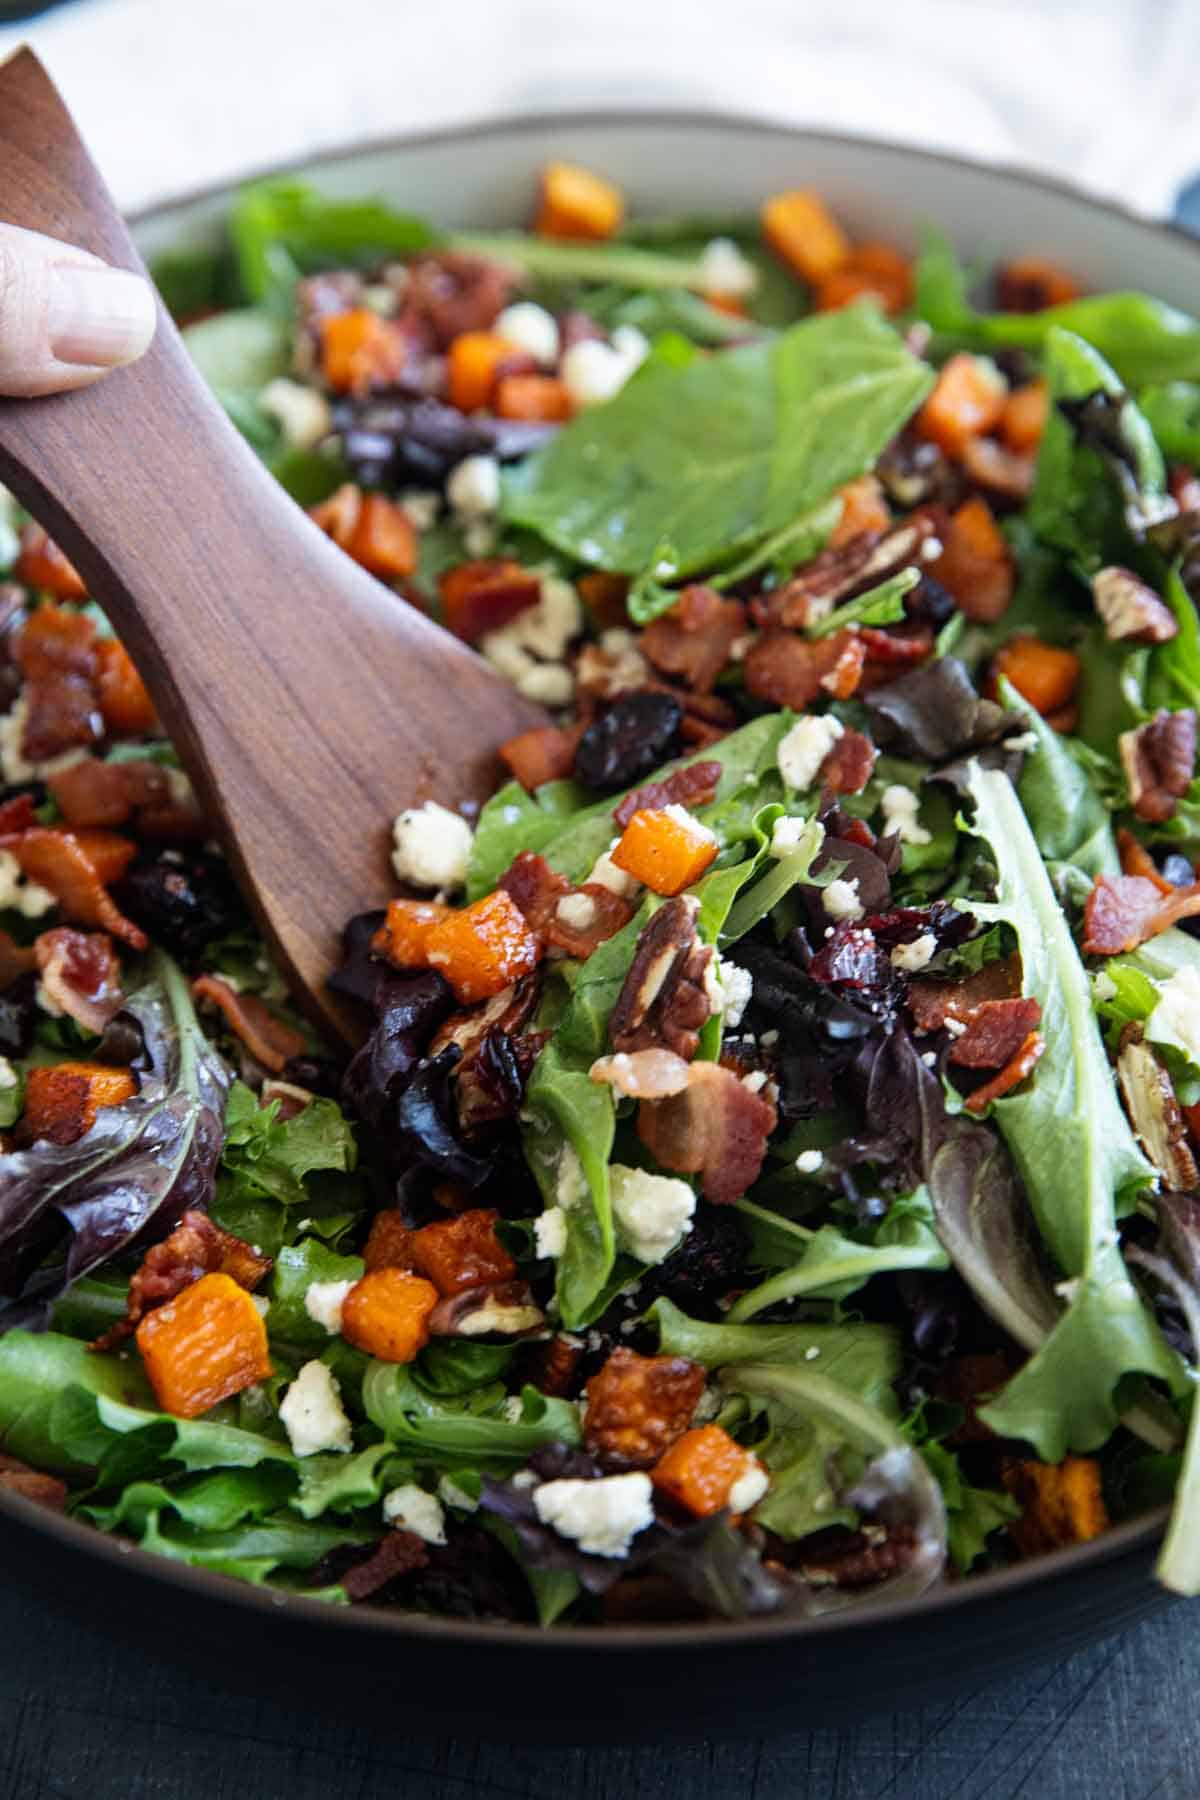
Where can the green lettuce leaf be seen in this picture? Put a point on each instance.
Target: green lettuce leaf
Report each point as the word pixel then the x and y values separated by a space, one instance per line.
pixel 296 1267
pixel 972 1513
pixel 284 227
pixel 448 1434
pixel 861 1357
pixel 826 1264
pixel 1065 809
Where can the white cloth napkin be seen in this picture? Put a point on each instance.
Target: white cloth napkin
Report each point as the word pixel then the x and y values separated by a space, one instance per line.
pixel 173 94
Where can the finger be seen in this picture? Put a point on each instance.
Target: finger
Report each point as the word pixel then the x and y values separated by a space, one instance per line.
pixel 66 318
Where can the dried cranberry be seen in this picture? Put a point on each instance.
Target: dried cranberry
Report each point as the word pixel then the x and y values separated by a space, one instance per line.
pixel 18 1014
pixel 182 903
pixel 637 733
pixel 929 603
pixel 708 1265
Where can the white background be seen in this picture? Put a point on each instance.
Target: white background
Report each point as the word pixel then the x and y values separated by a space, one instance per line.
pixel 173 94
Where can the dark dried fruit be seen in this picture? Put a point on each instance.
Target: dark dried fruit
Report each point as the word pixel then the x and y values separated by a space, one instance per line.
pixel 707 1266
pixel 634 735
pixel 18 1015
pixel 182 902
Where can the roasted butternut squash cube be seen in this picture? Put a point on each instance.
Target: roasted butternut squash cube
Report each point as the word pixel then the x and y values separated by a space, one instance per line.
pixel 666 848
pixel 360 350
pixel 1044 674
pixel 126 706
pixel 803 233
pixel 1024 417
pixel 482 948
pixel 61 1102
pixel 703 1470
pixel 576 203
pixel 864 508
pixel 204 1346
pixel 976 564
pixel 473 366
pixel 967 401
pixel 462 1252
pixel 386 1314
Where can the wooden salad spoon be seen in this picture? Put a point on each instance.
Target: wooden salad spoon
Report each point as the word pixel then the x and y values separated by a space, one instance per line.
pixel 308 702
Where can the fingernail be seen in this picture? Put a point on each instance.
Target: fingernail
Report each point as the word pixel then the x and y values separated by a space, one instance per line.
pixel 99 318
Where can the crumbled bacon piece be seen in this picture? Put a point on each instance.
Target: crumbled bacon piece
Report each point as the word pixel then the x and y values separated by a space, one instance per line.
pixel 196 1247
pixel 638 1405
pixel 56 653
pixel 849 765
pixel 76 866
pixel 717 1128
pixel 642 1075
pixel 456 292
pixel 1123 911
pixel 15 960
pixel 794 671
pixel 1159 759
pixel 695 638
pixel 664 1000
pixel 547 753
pixel 96 793
pixel 1137 860
pixel 398 1553
pixel 932 1001
pixel 482 597
pixel 1015 1071
pixel 17 814
pixel 268 1039
pixel 19 1478
pixel 41 564
pixel 81 975
pixel 692 786
pixel 609 913
pixel 995 1033
pixel 536 888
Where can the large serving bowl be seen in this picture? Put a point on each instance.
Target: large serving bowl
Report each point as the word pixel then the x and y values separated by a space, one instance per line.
pixel 626 1682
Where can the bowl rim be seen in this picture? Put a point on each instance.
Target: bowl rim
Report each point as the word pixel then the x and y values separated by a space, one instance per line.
pixel 1127 1539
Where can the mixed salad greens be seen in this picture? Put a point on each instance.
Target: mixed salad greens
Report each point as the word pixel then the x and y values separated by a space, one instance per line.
pixel 767 1180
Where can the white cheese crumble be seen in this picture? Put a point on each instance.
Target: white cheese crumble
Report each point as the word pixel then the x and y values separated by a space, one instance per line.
pixel 1177 1014
pixel 605 873
pixel 1103 986
pixel 787 835
pixel 570 1183
pixel 549 684
pixel 530 328
pixel 737 986
pixel 540 634
pixel 432 846
pixel 473 488
pixel 323 1302
pixel 755 1081
pixel 302 413
pixel 840 900
pixel 748 1489
pixel 604 1516
pixel 8 1075
pixel 804 748
pixel 550 1232
pixel 576 911
pixel 809 1161
pixel 914 956
pixel 725 271
pixel 900 809
pixel 410 1508
pixel 653 1211
pixel 28 898
pixel 422 506
pixel 313 1414
pixel 593 372
pixel 698 831
pixel 450 1494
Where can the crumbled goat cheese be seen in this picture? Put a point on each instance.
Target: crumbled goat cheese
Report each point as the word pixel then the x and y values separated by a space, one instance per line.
pixel 929 1058
pixel 550 1232
pixel 840 900
pixel 8 1075
pixel 629 668
pixel 699 832
pixel 410 1508
pixel 312 1412
pixel 570 1184
pixel 433 846
pixel 26 897
pixel 593 371
pixel 605 873
pixel 914 956
pixel 725 271
pixel 540 634
pixel 512 1409
pixel 323 1302
pixel 479 537
pixel 1103 986
pixel 809 1161
pixel 748 1489
pixel 653 1211
pixel 422 506
pixel 530 328
pixel 604 1516
pixel 955 1027
pixel 900 809
pixel 576 911
pixel 707 1407
pixel 302 413
pixel 549 684
pixel 1177 1014
pixel 804 748
pixel 473 488
pixel 1028 740
pixel 756 1080
pixel 788 835
pixel 738 990
pixel 450 1494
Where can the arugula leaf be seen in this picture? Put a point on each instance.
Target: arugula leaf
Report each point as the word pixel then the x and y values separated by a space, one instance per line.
pixel 720 454
pixel 828 1265
pixel 282 227
pixel 880 605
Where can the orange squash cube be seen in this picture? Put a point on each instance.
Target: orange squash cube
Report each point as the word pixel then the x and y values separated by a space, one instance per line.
pixel 389 1241
pixel 872 271
pixel 486 595
pixel 1031 284
pixel 1024 417
pixel 62 1100
pixel 547 753
pixel 976 565
pixel 575 203
pixel 124 703
pixel 386 1314
pixel 536 398
pixel 1042 673
pixel 402 936
pixel 666 849
pixel 462 1252
pixel 967 401
pixel 803 233
pixel 384 539
pixel 473 365
pixel 700 1469
pixel 204 1346
pixel 360 350
pixel 482 948
pixel 864 508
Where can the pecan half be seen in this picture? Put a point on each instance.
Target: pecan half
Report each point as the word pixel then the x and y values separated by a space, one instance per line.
pixel 1155 1113
pixel 1130 610
pixel 506 1308
pixel 665 1001
pixel 839 574
pixel 1159 760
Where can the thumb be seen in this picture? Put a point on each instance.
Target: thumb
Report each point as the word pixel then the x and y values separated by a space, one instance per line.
pixel 65 316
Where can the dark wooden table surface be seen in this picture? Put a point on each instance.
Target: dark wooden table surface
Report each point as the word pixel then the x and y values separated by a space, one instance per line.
pixel 83 1720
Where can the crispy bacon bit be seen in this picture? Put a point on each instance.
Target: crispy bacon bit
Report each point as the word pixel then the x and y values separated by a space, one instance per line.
pixel 96 793
pixel 19 1478
pixel 638 1405
pixel 41 564
pixel 399 1553
pixel 664 1001
pixel 840 573
pixel 1123 911
pixel 17 814
pixel 695 638
pixel 55 652
pixel 718 1129
pixel 81 975
pixel 932 1001
pixel 1131 611
pixel 849 765
pixel 15 960
pixel 1137 860
pixel 1159 759
pixel 75 866
pixel 196 1247
pixel 1021 1065
pixel 536 888
pixel 644 1075
pixel 268 1039
pixel 1155 1114
pixel 608 914
pixel 547 753
pixel 995 1034
pixel 692 786
pixel 456 292
pixel 793 671
pixel 481 597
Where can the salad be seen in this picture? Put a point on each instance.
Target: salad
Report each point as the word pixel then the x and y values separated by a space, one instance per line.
pixel 766 1180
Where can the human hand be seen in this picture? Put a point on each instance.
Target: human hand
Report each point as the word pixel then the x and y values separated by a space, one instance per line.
pixel 66 318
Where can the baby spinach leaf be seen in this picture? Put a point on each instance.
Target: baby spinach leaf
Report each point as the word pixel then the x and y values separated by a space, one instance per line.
pixel 1172 411
pixel 297 1266
pixel 1173 668
pixel 787 548
pixel 281 228
pixel 513 820
pixel 723 453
